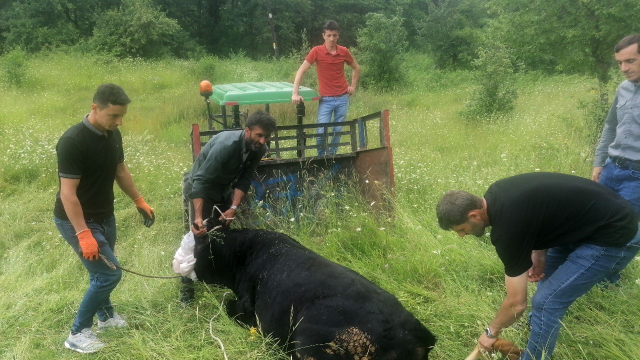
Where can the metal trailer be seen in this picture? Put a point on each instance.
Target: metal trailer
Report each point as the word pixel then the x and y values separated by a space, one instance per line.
pixel 292 171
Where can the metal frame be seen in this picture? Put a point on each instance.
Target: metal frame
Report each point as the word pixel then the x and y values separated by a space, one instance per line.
pixel 357 132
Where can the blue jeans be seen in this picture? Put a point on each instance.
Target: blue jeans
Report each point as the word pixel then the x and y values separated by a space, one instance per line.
pixel 102 279
pixel 570 272
pixel 338 107
pixel 625 182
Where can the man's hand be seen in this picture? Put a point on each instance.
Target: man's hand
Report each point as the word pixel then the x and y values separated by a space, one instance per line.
pixel 198 228
pixel 88 244
pixel 148 215
pixel 296 99
pixel 538 257
pixel 595 174
pixel 486 343
pixel 228 216
pixel 351 90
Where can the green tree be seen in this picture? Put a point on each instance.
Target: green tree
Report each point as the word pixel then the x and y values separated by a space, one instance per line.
pixel 350 15
pixel 198 18
pixel 242 28
pixel 138 29
pixel 414 13
pixel 35 25
pixel 565 35
pixel 382 42
pixel 451 31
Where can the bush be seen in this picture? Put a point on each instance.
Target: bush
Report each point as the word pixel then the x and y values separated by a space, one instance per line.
pixel 496 93
pixel 36 25
pixel 450 32
pixel 15 67
pixel 138 29
pixel 382 43
pixel 205 68
pixel 596 107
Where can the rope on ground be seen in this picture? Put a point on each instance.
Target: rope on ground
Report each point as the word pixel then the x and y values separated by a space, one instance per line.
pixel 114 266
pixel 211 327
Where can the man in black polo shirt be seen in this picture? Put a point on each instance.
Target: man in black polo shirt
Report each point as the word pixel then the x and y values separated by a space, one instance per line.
pixel 90 158
pixel 565 232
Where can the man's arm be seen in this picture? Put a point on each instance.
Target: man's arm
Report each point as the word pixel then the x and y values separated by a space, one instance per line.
pixel 126 184
pixel 71 203
pixel 607 137
pixel 539 258
pixel 355 76
pixel 514 304
pixel 198 203
pixel 295 98
pixel 72 207
pixel 595 173
pixel 125 181
pixel 243 183
pixel 230 214
pixel 213 167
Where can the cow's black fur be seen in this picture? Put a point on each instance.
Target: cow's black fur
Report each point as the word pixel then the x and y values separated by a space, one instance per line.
pixel 317 309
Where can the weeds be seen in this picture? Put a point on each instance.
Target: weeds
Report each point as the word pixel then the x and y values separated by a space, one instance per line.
pixel 453 286
pixel 15 67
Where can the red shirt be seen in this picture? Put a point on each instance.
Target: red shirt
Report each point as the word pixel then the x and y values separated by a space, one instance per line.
pixel 331 79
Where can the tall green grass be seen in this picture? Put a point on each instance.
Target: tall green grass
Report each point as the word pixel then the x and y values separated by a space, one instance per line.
pixel 454 286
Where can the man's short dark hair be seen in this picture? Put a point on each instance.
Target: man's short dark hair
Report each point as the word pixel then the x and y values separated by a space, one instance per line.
pixel 454 207
pixel 628 41
pixel 110 94
pixel 263 120
pixel 330 25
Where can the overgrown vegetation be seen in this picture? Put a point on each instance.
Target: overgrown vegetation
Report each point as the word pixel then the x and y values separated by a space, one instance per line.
pixel 453 285
pixel 545 36
pixel 383 42
pixel 495 93
pixel 138 30
pixel 15 64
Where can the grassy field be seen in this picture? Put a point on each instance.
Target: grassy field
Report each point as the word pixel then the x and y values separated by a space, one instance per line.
pixel 454 286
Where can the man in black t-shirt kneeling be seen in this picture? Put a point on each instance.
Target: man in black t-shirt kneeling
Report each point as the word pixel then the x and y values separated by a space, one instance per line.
pixel 565 232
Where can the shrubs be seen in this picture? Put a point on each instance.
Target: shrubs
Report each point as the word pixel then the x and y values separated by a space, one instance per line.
pixel 596 107
pixel 137 29
pixel 15 67
pixel 382 43
pixel 496 93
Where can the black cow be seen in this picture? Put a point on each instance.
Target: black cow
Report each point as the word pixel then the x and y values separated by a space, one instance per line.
pixel 315 308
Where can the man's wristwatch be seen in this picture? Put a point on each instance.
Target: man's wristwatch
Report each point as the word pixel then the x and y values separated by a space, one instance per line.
pixel 489 334
pixel 233 207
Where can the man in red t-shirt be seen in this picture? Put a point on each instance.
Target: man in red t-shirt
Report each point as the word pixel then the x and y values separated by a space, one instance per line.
pixel 334 89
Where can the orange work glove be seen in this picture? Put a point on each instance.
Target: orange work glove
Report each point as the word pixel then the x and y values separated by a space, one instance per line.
pixel 148 216
pixel 88 244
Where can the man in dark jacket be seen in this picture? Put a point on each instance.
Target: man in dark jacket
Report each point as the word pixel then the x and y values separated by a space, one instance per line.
pixel 221 176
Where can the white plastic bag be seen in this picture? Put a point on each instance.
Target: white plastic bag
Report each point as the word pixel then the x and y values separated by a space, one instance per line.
pixel 184 261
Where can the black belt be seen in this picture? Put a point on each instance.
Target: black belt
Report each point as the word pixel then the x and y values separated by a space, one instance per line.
pixel 336 95
pixel 626 163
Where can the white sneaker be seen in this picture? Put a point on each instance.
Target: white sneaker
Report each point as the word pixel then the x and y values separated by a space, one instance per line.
pixel 114 322
pixel 84 342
